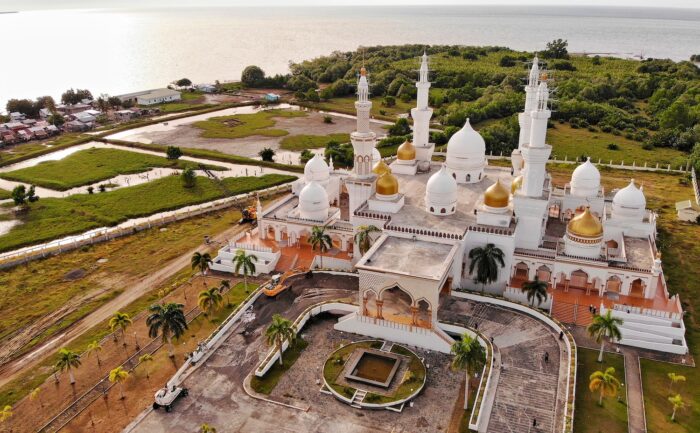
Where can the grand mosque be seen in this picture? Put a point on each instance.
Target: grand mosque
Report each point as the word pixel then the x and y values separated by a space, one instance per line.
pixel 593 247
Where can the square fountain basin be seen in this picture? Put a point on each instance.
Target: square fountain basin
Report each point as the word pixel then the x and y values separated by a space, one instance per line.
pixel 374 367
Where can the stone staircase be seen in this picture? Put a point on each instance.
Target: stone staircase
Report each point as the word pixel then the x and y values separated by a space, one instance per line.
pixel 357 398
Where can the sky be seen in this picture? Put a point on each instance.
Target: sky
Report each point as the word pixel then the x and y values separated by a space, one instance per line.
pixel 20 5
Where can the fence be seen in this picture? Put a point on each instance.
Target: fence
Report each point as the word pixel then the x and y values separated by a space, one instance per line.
pixel 696 189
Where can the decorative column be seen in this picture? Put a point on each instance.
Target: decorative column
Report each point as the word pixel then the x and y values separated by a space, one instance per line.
pixel 364 305
pixel 379 303
pixel 414 315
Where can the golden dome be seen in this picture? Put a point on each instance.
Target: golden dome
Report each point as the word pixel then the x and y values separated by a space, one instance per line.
pixel 380 168
pixel 406 152
pixel 517 184
pixel 544 76
pixel 585 225
pixel 496 195
pixel 363 71
pixel 387 184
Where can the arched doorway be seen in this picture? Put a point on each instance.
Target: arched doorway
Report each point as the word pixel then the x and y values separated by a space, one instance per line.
pixel 396 305
pixel 522 271
pixel 614 284
pixel 369 302
pixel 544 273
pixel 579 279
pixel 424 314
pixel 637 288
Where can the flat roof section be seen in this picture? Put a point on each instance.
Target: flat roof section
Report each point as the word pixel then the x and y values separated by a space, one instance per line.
pixel 405 256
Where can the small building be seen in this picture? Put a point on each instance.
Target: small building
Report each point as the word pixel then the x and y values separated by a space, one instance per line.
pixel 85 117
pixel 24 135
pixel 124 115
pixel 74 108
pixel 272 97
pixel 52 130
pixel 76 126
pixel 29 122
pixel 206 88
pixel 7 137
pixel 38 132
pixel 150 97
pixel 15 126
pixel 16 116
pixel 44 113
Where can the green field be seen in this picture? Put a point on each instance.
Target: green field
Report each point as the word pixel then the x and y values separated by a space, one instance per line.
pixel 589 417
pixel 188 101
pixel 51 218
pixel 347 105
pixel 90 166
pixel 246 125
pixel 5 194
pixel 301 142
pixel 267 383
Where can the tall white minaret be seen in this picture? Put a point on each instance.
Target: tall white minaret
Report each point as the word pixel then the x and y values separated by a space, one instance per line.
pixel 533 80
pixel 421 117
pixel 363 139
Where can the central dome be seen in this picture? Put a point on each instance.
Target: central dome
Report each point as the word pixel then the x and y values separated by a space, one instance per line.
pixel 466 143
pixel 313 202
pixel 406 152
pixel 585 225
pixel 387 184
pixel 496 195
pixel 316 170
pixel 585 181
pixel 380 168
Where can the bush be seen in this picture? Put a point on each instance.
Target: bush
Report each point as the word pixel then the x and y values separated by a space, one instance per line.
pixel 173 152
pixel 613 146
pixel 389 101
pixel 564 65
pixel 327 119
pixel 648 146
pixel 188 176
pixel 401 127
pixel 596 60
pixel 557 49
pixel 507 61
pixel 267 154
pixel 305 156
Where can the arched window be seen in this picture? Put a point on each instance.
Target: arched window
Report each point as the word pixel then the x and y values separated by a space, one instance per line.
pixel 454 175
pixel 432 209
pixel 469 177
pixel 442 210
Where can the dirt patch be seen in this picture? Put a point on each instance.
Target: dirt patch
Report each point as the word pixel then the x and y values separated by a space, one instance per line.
pixel 74 275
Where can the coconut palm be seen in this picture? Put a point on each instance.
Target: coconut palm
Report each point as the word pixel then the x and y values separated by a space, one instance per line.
pixel 120 321
pixel 67 361
pixel 169 319
pixel 146 359
pixel 6 414
pixel 674 378
pixel 678 403
pixel 279 331
pixel 486 260
pixel 470 356
pixel 119 375
pixel 36 394
pixel 320 240
pixel 604 382
pixel 206 428
pixel 245 263
pixel 363 237
pixel 536 290
pixel 210 300
pixel 226 287
pixel 95 348
pixel 201 262
pixel 604 326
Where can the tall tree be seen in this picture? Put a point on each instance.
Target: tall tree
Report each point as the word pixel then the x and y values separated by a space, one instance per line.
pixel 536 290
pixel 6 414
pixel 189 177
pixel 605 383
pixel 252 76
pixel 279 331
pixel 225 286
pixel 487 261
pixel 35 394
pixel 210 300
pixel 363 237
pixel 169 320
pixel 67 361
pixel 320 240
pixel 201 262
pixel 144 360
pixel 244 264
pixel 678 403
pixel 469 356
pixel 605 326
pixel 673 377
pixel 119 375
pixel 96 348
pixel 119 322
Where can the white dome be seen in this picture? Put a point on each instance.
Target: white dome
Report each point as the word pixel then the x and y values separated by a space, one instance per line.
pixel 441 193
pixel 466 143
pixel 313 202
pixel 376 156
pixel 316 170
pixel 585 181
pixel 629 202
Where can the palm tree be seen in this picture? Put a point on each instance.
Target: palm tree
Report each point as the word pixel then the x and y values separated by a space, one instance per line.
pixel 678 403
pixel 120 321
pixel 321 240
pixel 535 289
pixel 486 260
pixel 604 382
pixel 169 318
pixel 146 359
pixel 605 326
pixel 36 394
pixel 95 348
pixel 363 237
pixel 246 263
pixel 206 428
pixel 210 300
pixel 674 378
pixel 6 414
pixel 470 356
pixel 68 360
pixel 226 287
pixel 119 375
pixel 279 331
pixel 202 262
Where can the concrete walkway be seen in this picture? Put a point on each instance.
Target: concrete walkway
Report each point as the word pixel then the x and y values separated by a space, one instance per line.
pixel 636 419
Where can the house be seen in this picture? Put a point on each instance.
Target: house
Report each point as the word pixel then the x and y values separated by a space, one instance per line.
pixel 84 117
pixel 150 97
pixel 7 137
pixel 17 116
pixel 38 132
pixel 125 115
pixel 15 126
pixel 52 130
pixel 206 88
pixel 24 135
pixel 272 97
pixel 76 126
pixel 73 109
pixel 29 122
pixel 93 112
pixel 44 113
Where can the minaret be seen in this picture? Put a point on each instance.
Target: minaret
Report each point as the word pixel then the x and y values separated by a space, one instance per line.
pixel 536 151
pixel 363 139
pixel 421 118
pixel 524 117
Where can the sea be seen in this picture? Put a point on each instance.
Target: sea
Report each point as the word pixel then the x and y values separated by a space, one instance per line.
pixel 124 50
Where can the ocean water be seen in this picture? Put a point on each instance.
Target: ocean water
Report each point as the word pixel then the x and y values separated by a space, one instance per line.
pixel 119 51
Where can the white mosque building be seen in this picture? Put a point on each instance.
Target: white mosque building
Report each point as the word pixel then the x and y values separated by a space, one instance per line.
pixel 591 248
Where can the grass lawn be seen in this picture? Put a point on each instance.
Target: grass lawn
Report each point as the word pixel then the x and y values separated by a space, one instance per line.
pixel 267 383
pixel 589 417
pixel 90 166
pixel 304 141
pixel 245 125
pixel 51 218
pixel 567 141
pixel 347 105
pixel 656 393
pixel 4 194
pixel 189 100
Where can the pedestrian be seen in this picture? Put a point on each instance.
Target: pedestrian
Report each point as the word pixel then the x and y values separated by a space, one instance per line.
pixel 590 308
pixel 534 422
pixel 595 310
pixel 561 335
pixel 476 326
pixel 546 357
pixel 491 340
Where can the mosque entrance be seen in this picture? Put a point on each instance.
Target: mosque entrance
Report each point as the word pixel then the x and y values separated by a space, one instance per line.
pixel 397 306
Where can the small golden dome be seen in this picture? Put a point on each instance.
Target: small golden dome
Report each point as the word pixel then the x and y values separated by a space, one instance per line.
pixel 544 76
pixel 585 225
pixel 406 152
pixel 517 184
pixel 380 168
pixel 363 71
pixel 387 184
pixel 496 195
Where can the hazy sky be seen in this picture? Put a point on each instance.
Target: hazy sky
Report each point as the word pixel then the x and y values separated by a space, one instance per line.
pixel 90 4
